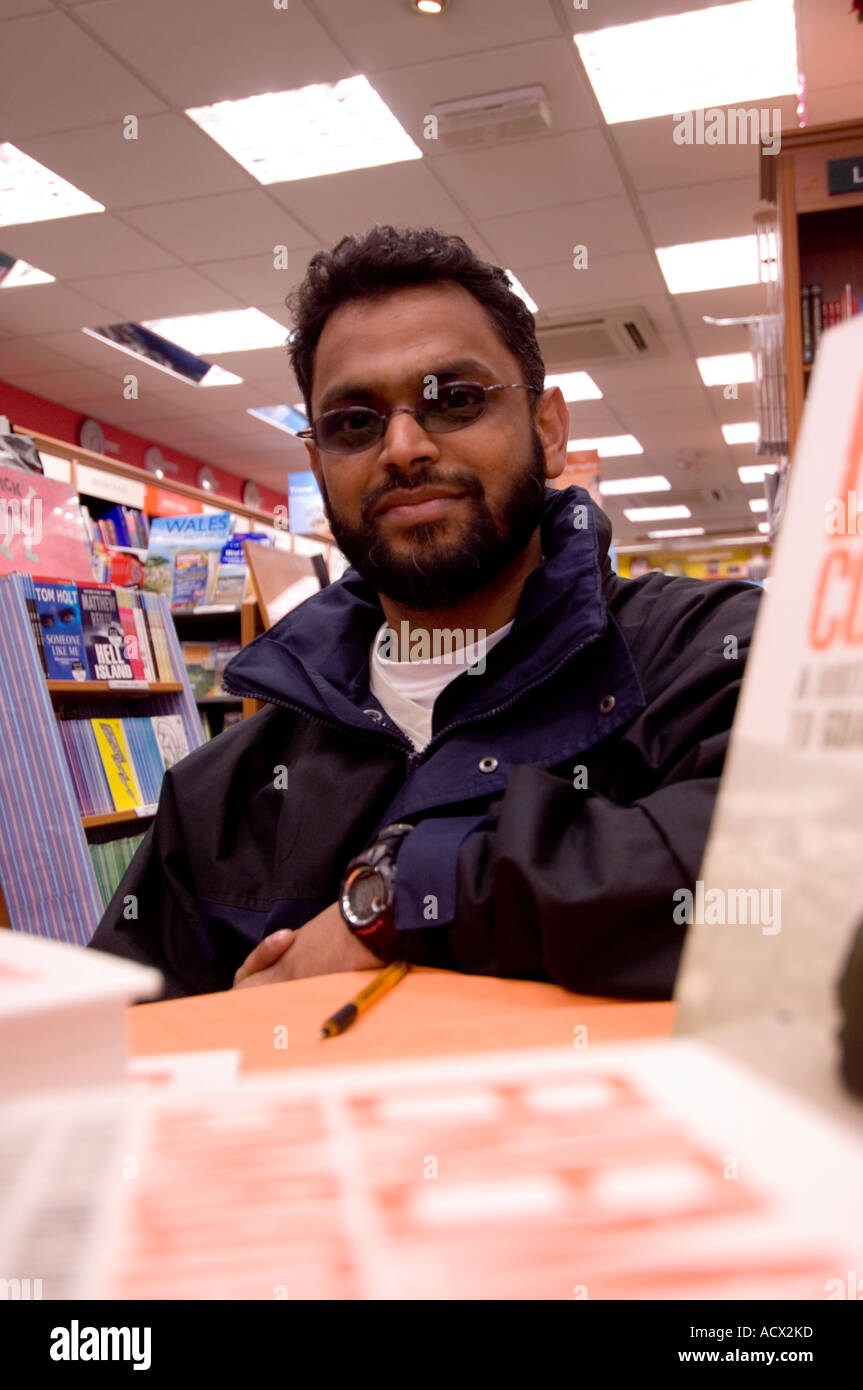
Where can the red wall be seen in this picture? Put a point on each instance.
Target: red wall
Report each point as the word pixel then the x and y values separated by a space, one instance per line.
pixel 47 417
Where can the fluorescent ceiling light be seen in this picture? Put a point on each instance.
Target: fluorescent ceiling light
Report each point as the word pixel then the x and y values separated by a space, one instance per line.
pixel 301 134
pixel 610 446
pixel 518 288
pixel 16 274
pixel 684 62
pixel 726 368
pixel 145 346
pixel 709 265
pixel 758 504
pixel 681 531
pixel 714 541
pixel 755 472
pixel 31 193
pixel 656 513
pixel 576 386
pixel 283 417
pixel 613 487
pixel 231 330
pixel 764 527
pixel 743 432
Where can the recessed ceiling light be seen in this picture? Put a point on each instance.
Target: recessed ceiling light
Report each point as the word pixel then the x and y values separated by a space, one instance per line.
pixel 325 128
pixel 726 368
pixel 609 446
pixel 576 386
pixel 613 487
pixel 754 472
pixel 230 330
pixel 743 432
pixel 680 531
pixel 15 274
pixel 31 193
pixel 138 342
pixel 709 265
pixel 690 61
pixel 758 504
pixel 283 417
pixel 656 513
pixel 518 288
pixel 764 527
pixel 429 6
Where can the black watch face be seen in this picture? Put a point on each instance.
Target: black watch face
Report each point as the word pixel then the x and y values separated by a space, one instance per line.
pixel 367 896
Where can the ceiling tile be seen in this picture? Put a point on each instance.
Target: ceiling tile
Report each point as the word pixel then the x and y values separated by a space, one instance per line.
pixel 170 157
pixel 150 294
pixel 46 308
pixel 738 301
pixel 203 51
pixel 340 203
pixel 128 415
pixel 219 227
pixel 412 92
pixel 606 227
pixel 606 280
pixel 254 279
pixel 654 160
pixel 551 172
pixel 69 387
pixel 256 362
pixel 29 355
pixel 387 36
pixel 53 76
pixel 73 247
pixel 700 212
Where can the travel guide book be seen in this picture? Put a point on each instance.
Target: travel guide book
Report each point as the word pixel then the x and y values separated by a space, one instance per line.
pixel 183 557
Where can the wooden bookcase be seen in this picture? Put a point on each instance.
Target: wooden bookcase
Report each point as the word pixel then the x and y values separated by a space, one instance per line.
pixel 820 235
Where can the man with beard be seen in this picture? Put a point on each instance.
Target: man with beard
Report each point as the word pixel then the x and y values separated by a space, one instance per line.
pixel 526 806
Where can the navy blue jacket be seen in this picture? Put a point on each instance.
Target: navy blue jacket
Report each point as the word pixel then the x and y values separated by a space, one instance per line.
pixel 565 795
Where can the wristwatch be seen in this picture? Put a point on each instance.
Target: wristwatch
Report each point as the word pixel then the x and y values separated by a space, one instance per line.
pixel 367 894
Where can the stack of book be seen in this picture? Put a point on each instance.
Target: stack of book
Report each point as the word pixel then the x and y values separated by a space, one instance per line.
pixel 205 664
pixel 95 632
pixel 118 764
pixel 110 862
pixel 120 526
pixel 818 313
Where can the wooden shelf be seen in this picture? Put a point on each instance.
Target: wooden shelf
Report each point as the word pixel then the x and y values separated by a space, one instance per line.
pixel 115 817
pixel 85 689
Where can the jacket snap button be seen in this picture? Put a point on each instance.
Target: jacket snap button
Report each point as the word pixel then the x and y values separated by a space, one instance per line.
pixel 374 714
pixel 606 704
pixel 487 764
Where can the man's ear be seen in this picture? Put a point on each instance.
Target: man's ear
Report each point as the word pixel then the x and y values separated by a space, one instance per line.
pixel 314 460
pixel 552 423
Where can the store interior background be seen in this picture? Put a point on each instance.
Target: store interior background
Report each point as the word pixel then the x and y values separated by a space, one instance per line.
pixel 187 230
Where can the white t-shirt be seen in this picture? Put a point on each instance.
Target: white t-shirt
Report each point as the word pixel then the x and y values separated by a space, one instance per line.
pixel 407 690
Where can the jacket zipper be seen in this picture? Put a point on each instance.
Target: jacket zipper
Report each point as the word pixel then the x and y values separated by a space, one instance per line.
pixel 413 757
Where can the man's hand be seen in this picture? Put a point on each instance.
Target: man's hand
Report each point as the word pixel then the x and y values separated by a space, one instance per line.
pixel 324 946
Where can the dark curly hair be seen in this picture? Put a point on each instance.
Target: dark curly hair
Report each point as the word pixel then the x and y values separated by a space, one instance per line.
pixel 392 258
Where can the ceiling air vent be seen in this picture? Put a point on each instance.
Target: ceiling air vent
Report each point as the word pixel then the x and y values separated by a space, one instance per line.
pixel 475 121
pixel 604 335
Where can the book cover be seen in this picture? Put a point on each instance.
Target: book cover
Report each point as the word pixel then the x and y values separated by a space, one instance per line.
pixel 143 638
pixel 171 738
pixel 131 644
pixel 60 625
pixel 779 900
pixel 183 555
pixel 114 752
pixel 158 641
pixel 104 641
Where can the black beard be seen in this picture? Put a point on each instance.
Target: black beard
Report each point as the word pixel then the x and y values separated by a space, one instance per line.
pixel 439 575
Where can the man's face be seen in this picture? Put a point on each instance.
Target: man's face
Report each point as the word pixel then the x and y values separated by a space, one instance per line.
pixel 428 518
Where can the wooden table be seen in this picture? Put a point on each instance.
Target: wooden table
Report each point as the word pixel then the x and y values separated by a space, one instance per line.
pixel 429 1012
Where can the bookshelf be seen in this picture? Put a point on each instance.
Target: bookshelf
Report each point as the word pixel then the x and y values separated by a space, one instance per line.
pixel 47 876
pixel 820 234
pixel 208 622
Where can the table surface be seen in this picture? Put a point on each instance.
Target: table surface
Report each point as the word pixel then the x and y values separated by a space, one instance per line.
pixel 429 1012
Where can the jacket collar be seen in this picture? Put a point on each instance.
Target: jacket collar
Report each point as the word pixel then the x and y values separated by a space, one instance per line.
pixel 317 657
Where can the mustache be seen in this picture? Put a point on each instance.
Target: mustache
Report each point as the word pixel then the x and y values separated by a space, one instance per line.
pixel 462 482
